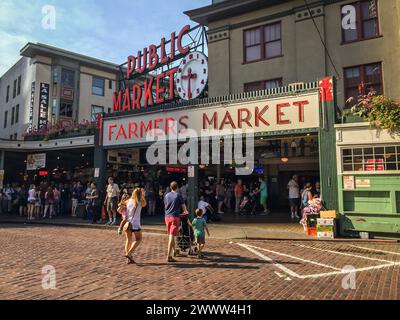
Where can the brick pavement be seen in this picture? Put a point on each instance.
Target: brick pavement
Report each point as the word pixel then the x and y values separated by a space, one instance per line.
pixel 90 265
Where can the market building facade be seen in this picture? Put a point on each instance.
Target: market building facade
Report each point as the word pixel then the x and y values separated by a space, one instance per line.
pixel 257 45
pixel 49 102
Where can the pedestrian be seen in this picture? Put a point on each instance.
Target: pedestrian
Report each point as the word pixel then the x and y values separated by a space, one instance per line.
pixel 111 201
pixel 294 196
pixel 293 145
pixel 307 195
pixel 174 205
pixel 204 206
pixel 38 203
pixel 263 195
pixel 31 202
pixel 49 203
pixel 238 190
pixel 318 189
pixel 22 201
pixel 221 195
pixel 8 192
pixel 123 211
pixel 94 203
pixel 57 198
pixel 132 225
pixel 74 201
pixel 199 227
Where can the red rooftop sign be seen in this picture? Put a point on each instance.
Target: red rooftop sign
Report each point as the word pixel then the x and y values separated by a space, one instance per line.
pixel 188 80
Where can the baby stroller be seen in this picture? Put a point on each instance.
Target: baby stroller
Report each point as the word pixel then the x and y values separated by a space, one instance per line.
pixel 186 236
pixel 247 206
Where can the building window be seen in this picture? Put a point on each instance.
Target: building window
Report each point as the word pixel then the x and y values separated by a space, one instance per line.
pixel 15 136
pixel 95 111
pixel 12 115
pixel 68 78
pixel 367 23
pixel 370 159
pixel 110 84
pixel 17 113
pixel 66 109
pixel 98 86
pixel 15 89
pixel 263 42
pixel 8 94
pixel 5 119
pixel 11 136
pixel 19 86
pixel 262 85
pixel 367 76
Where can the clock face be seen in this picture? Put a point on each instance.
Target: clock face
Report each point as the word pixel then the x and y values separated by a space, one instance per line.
pixel 192 76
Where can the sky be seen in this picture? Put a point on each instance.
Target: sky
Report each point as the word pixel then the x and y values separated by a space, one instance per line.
pixel 105 29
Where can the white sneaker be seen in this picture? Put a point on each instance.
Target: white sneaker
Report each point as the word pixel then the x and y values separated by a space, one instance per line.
pixel 292 216
pixel 297 216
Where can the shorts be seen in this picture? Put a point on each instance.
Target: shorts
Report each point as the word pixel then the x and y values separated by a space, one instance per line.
pixel 173 225
pixel 201 240
pixel 294 202
pixel 111 204
pixel 263 200
pixel 221 198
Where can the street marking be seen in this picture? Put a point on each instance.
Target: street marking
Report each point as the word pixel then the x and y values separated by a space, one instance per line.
pixel 377 250
pixel 343 254
pixel 318 275
pixel 277 264
pixel 280 275
pixel 297 258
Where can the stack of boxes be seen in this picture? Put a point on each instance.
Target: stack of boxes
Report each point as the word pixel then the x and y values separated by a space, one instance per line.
pixel 326 225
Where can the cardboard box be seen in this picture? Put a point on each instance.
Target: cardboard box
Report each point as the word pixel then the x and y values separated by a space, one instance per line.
pixel 326 235
pixel 326 229
pixel 328 214
pixel 326 222
pixel 312 232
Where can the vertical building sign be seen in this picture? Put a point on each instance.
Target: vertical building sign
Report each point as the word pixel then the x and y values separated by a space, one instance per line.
pixel 43 105
pixel 31 106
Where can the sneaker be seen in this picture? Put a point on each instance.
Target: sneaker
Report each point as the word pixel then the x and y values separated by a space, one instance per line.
pixel 297 216
pixel 292 216
pixel 113 223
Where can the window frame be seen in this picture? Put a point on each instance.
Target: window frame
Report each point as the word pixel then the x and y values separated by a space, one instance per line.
pixel 8 94
pixel 359 23
pixel 19 86
pixel 92 114
pixel 16 120
pixel 12 115
pixel 262 44
pixel 62 102
pixel 374 156
pixel 104 83
pixel 263 82
pixel 362 69
pixel 5 119
pixel 15 89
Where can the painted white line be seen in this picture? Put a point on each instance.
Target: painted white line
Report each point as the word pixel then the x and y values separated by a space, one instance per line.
pixel 277 264
pixel 311 276
pixel 296 258
pixel 377 250
pixel 342 253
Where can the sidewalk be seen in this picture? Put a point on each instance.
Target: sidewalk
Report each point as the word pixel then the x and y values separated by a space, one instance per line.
pixel 259 228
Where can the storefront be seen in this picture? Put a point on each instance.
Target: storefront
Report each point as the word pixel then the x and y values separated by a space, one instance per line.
pixel 163 127
pixel 368 180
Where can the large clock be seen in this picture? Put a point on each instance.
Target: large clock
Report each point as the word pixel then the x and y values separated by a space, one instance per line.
pixel 192 76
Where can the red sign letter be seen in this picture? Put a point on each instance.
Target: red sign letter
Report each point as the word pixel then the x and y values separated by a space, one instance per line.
pixel 117 101
pixel 279 113
pixel 185 30
pixel 301 105
pixel 259 116
pixel 148 96
pixel 160 89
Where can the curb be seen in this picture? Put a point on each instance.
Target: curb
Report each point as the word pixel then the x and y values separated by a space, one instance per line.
pixel 322 240
pixel 78 225
pixel 163 232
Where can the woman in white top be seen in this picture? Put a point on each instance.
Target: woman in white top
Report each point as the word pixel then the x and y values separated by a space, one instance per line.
pixel 132 225
pixel 31 202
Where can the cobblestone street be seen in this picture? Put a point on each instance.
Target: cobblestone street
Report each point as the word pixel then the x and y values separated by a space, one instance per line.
pixel 89 264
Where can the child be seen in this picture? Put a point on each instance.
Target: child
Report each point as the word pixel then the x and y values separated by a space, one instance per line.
pixel 199 227
pixel 122 210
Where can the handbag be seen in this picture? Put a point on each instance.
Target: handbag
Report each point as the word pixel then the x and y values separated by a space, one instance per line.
pixel 128 225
